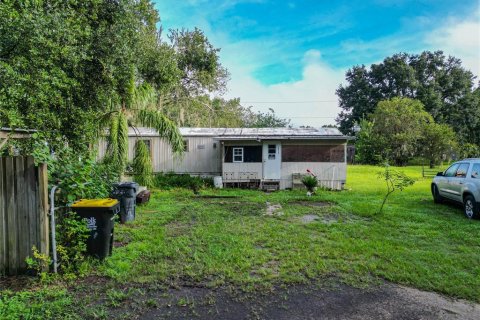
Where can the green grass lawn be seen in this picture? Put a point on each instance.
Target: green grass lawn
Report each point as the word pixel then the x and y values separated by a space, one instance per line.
pixel 215 241
pixel 180 238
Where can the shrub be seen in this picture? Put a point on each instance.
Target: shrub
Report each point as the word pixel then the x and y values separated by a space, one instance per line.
pixel 72 234
pixel 39 263
pixel 395 180
pixel 310 182
pixel 172 180
pixel 76 176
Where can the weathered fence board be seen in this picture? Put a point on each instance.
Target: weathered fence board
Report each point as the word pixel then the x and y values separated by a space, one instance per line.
pixel 3 227
pixel 23 212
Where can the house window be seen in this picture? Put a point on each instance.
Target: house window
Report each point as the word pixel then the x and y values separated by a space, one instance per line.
pixel 272 151
pixel 237 154
pixel 185 145
pixel 250 153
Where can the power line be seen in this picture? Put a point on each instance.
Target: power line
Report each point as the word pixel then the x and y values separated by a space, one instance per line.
pixel 308 117
pixel 312 101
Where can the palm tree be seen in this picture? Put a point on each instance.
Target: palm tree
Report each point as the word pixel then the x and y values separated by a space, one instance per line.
pixel 142 110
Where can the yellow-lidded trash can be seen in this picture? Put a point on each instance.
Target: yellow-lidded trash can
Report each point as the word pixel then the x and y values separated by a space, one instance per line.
pixel 99 215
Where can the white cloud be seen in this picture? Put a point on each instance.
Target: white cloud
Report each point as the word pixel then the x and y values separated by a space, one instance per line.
pixel 319 80
pixel 309 101
pixel 460 39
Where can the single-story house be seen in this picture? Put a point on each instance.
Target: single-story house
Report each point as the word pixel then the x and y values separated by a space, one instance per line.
pixel 255 157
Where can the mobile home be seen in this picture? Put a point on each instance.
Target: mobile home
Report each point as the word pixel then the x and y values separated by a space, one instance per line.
pixel 256 157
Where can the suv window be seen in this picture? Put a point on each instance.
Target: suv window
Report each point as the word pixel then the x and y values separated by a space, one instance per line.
pixel 462 170
pixel 476 171
pixel 450 172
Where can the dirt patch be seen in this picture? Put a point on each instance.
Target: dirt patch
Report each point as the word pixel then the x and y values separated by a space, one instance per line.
pixel 92 281
pixel 177 228
pixel 309 218
pixel 17 283
pixel 274 209
pixel 330 218
pixel 335 301
pixel 323 218
pixel 317 204
pixel 119 244
pixel 216 197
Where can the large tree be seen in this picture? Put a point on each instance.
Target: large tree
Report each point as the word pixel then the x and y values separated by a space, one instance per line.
pixel 64 64
pixel 436 141
pixel 267 120
pixel 444 87
pixel 74 68
pixel 400 129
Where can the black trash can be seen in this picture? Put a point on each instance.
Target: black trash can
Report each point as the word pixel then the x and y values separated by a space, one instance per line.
pixel 126 193
pixel 99 215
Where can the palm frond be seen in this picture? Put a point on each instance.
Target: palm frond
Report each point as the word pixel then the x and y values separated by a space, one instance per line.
pixel 103 121
pixel 142 165
pixel 165 127
pixel 112 139
pixel 144 97
pixel 122 140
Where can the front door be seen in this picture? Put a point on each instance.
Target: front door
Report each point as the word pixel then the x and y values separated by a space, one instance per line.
pixel 271 160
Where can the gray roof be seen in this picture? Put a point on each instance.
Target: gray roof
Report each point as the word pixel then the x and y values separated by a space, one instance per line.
pixel 7 133
pixel 4 129
pixel 250 133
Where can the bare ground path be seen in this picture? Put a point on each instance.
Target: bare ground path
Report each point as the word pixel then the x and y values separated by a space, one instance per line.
pixel 337 301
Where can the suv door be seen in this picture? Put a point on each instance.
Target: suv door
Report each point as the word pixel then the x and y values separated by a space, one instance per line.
pixel 443 181
pixel 457 181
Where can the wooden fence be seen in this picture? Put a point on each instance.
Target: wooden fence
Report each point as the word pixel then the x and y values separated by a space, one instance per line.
pixel 23 212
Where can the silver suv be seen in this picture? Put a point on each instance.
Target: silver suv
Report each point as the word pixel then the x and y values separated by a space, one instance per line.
pixel 460 183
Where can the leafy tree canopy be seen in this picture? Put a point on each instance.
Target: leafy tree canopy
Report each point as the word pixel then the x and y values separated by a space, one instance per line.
pixel 199 63
pixel 266 120
pixel 443 86
pixel 400 129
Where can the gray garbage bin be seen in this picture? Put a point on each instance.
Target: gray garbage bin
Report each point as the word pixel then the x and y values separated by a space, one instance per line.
pixel 125 193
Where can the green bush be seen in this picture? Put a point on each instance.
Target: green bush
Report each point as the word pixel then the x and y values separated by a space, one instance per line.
pixel 72 235
pixel 76 176
pixel 310 182
pixel 172 180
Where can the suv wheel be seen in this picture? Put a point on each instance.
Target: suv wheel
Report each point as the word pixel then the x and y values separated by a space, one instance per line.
pixel 437 198
pixel 470 207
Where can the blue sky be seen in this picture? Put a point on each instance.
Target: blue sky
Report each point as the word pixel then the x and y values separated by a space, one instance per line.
pixel 298 51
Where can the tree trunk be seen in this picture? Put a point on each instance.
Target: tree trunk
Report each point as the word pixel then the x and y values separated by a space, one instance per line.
pixel 383 203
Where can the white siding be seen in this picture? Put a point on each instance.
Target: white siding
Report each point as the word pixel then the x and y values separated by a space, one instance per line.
pixel 330 174
pixel 237 172
pixel 200 159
